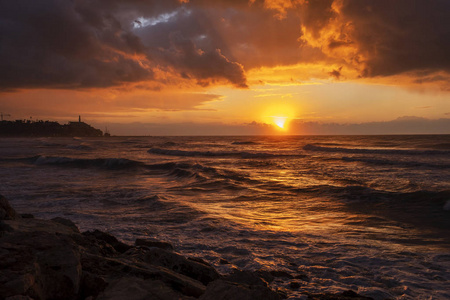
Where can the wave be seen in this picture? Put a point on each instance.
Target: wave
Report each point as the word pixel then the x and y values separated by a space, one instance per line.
pixel 408 164
pixel 107 163
pixel 82 146
pixel 311 147
pixel 244 143
pixel 236 154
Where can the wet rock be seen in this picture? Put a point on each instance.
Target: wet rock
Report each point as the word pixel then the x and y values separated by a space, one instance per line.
pixel 245 277
pixel 200 260
pixel 283 293
pixel 225 290
pixel 109 239
pixel 302 277
pixel 131 264
pixel 40 265
pixel 26 216
pixel 265 274
pixel 67 223
pixel 153 243
pixel 282 274
pixel 91 285
pixel 19 297
pixel 294 285
pixel 6 211
pixel 180 264
pixel 223 261
pixel 4 228
pixel 134 288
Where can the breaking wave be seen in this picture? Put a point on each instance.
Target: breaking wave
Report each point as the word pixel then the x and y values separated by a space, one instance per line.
pixel 107 163
pixel 235 154
pixel 311 147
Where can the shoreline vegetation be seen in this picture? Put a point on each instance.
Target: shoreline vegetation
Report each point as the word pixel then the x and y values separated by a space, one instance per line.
pixel 52 259
pixel 28 128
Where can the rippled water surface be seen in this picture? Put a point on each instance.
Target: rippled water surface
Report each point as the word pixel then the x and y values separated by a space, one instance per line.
pixel 368 213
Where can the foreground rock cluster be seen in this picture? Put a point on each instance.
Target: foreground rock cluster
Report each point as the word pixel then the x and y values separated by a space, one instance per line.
pixel 51 259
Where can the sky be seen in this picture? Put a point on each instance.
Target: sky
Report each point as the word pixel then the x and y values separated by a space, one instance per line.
pixel 228 67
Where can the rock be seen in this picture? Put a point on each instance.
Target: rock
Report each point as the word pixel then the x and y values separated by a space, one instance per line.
pixel 19 297
pixel 303 277
pixel 67 223
pixel 6 211
pixel 223 261
pixel 294 285
pixel 37 225
pixel 281 274
pixel 4 228
pixel 225 290
pixel 180 264
pixel 134 288
pixel 26 216
pixel 131 264
pixel 245 277
pixel 50 259
pixel 153 243
pixel 265 274
pixel 200 260
pixel 111 240
pixel 283 293
pixel 91 285
pixel 40 265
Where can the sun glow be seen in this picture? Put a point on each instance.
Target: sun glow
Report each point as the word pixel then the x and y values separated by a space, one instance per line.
pixel 279 115
pixel 280 121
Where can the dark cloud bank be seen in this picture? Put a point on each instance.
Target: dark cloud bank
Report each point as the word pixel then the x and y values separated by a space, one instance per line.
pixel 403 125
pixel 103 43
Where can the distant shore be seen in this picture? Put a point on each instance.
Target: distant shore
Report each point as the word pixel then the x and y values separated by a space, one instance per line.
pixel 27 128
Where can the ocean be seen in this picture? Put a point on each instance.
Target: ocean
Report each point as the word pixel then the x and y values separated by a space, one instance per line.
pixel 367 213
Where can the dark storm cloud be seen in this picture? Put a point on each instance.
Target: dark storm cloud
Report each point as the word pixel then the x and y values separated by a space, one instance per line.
pixel 50 44
pixel 103 43
pixel 382 37
pixel 79 43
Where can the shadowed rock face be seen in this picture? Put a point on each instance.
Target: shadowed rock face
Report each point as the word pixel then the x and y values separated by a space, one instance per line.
pixel 51 259
pixel 6 211
pixel 40 264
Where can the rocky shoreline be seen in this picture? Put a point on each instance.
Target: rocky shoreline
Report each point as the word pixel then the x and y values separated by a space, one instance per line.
pixel 52 259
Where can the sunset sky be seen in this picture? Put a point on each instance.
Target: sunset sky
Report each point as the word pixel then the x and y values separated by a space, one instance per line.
pixel 199 67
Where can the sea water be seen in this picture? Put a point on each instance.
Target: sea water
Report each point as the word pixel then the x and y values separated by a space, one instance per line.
pixel 367 213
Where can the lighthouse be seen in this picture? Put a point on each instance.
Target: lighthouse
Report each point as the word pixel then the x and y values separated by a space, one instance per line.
pixel 79 119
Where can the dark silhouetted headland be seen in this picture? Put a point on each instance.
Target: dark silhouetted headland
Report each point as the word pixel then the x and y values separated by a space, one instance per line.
pixel 21 128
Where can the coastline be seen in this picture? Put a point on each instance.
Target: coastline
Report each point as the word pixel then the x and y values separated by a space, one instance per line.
pixel 52 259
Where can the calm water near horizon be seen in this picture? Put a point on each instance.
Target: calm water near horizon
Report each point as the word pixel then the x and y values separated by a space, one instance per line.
pixel 368 213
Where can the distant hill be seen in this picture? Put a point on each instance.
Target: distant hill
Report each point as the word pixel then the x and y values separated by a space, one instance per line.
pixel 20 128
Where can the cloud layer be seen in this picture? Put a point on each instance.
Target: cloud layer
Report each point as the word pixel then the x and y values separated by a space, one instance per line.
pixel 103 43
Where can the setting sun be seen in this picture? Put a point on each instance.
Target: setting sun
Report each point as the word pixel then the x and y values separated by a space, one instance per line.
pixel 279 115
pixel 280 121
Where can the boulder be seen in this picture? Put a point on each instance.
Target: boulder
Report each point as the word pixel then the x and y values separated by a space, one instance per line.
pixel 134 288
pixel 282 274
pixel 153 243
pixel 40 265
pixel 245 277
pixel 6 211
pixel 180 264
pixel 91 285
pixel 131 265
pixel 225 290
pixel 109 239
pixel 67 223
